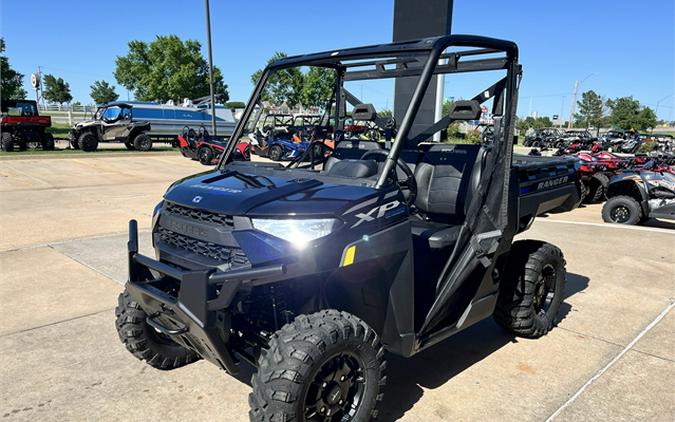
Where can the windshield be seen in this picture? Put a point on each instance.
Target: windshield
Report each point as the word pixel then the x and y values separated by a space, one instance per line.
pixel 19 108
pixel 352 103
pixel 110 114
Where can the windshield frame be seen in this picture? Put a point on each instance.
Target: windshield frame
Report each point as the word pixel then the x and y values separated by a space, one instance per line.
pixel 433 48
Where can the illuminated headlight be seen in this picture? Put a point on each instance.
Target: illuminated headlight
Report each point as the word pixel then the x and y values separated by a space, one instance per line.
pixel 299 232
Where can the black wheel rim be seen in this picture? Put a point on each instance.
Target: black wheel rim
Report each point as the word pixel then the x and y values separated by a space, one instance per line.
pixel 545 289
pixel 204 156
pixel 337 390
pixel 620 214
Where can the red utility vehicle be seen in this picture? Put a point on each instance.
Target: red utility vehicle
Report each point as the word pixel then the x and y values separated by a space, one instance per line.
pixel 21 125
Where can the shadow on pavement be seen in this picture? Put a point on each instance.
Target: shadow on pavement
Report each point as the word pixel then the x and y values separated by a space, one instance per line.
pixel 435 366
pixel 652 222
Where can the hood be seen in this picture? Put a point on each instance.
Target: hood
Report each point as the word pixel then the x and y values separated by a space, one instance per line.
pixel 84 123
pixel 268 192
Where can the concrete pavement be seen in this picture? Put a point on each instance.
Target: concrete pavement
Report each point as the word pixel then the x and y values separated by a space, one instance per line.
pixel 62 239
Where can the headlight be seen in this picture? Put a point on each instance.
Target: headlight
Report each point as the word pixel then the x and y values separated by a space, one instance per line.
pixel 299 232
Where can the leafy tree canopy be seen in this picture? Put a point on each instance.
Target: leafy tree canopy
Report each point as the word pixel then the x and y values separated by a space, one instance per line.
pixel 167 69
pixel 590 110
pixel 56 90
pixel 102 92
pixel 11 84
pixel 627 113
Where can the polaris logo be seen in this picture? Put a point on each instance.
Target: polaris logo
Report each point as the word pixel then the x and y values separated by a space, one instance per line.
pixel 197 199
pixel 377 212
pixel 552 182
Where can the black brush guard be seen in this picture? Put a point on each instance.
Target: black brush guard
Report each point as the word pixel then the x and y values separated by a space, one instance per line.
pixel 192 318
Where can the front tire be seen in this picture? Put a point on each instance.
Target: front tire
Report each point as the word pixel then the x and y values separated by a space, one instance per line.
pixel 205 155
pixel 275 153
pixel 532 289
pixel 321 366
pixel 144 342
pixel 129 145
pixel 88 142
pixel 622 210
pixel 6 142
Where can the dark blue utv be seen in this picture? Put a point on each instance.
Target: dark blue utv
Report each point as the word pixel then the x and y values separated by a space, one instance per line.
pixel 311 271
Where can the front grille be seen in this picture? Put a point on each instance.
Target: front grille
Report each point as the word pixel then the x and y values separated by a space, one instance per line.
pixel 199 215
pixel 222 254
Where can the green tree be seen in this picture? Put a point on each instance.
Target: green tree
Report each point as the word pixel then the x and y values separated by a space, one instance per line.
pixel 284 85
pixel 102 92
pixel 533 122
pixel 167 69
pixel 590 110
pixel 646 119
pixel 317 87
pixel 56 90
pixel 11 84
pixel 235 104
pixel 627 113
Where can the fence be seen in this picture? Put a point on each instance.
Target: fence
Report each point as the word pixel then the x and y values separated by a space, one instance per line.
pixel 75 108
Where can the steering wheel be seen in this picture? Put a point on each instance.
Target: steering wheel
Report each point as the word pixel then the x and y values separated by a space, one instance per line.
pixel 409 184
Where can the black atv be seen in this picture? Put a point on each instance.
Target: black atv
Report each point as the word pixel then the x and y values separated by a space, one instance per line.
pixel 633 197
pixel 310 274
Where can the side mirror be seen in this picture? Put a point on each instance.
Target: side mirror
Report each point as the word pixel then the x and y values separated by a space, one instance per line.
pixel 515 139
pixel 466 110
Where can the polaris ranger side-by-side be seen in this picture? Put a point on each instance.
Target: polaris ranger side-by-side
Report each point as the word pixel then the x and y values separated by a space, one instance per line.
pixel 311 271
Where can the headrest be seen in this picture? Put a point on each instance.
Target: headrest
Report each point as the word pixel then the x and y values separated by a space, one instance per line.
pixel 466 110
pixel 364 112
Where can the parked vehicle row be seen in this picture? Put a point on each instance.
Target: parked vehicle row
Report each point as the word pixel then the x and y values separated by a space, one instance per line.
pixel 139 124
pixel 635 187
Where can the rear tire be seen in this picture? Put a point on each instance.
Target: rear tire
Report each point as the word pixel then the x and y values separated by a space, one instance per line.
pixel 142 142
pixel 129 145
pixel 327 364
pixel 622 210
pixel 532 289
pixel 88 142
pixel 275 153
pixel 205 155
pixel 6 142
pixel 144 342
pixel 48 142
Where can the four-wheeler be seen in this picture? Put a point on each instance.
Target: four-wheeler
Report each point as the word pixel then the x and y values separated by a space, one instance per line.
pixel 21 125
pixel 634 197
pixel 548 137
pixel 595 171
pixel 199 145
pixel 139 124
pixel 311 274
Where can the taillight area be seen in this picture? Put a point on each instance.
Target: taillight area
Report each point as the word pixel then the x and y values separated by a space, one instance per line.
pixel 26 120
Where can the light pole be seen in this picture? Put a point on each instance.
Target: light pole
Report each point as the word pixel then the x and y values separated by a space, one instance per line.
pixel 658 103
pixel 208 41
pixel 574 100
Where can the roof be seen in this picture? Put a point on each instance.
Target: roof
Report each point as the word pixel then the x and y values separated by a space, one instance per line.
pixel 419 45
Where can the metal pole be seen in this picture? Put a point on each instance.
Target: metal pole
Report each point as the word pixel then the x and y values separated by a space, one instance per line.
pixel 208 40
pixel 438 114
pixel 573 105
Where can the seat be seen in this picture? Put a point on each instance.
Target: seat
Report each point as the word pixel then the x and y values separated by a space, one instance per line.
pixel 447 178
pixel 353 168
pixel 347 149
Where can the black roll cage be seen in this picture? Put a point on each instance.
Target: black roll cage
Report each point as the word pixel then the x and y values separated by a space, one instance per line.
pixel 404 65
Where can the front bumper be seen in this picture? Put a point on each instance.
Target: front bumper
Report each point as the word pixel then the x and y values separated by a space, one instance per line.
pixel 197 316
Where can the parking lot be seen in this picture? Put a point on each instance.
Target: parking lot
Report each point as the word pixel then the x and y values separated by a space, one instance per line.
pixel 62 257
